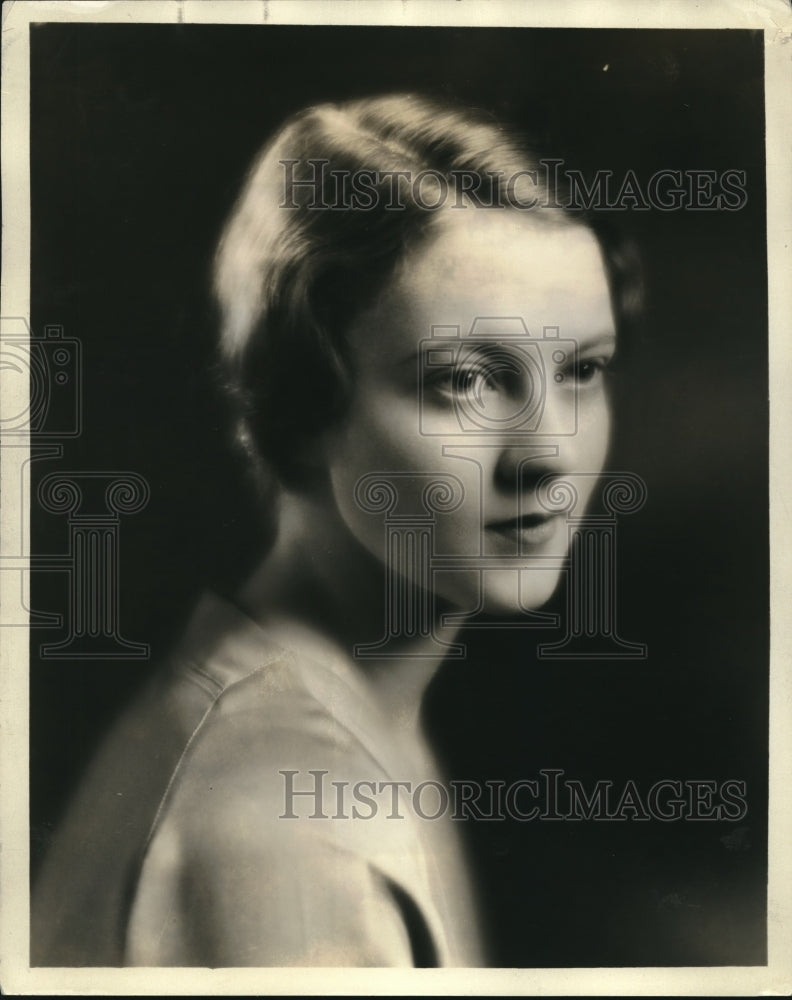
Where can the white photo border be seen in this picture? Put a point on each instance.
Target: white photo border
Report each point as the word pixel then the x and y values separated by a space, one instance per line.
pixel 774 19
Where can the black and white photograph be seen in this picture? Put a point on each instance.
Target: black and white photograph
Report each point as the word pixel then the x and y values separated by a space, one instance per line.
pixel 395 453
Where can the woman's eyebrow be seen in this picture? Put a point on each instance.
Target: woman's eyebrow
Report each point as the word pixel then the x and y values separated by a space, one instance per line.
pixel 448 346
pixel 447 350
pixel 604 339
pixel 421 351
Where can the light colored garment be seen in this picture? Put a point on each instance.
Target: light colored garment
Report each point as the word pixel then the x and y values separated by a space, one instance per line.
pixel 175 850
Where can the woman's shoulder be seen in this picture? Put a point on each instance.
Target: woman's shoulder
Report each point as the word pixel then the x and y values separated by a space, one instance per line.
pixel 273 838
pixel 193 761
pixel 266 734
pixel 266 703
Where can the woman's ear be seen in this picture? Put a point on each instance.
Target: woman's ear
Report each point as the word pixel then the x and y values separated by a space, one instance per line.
pixel 313 462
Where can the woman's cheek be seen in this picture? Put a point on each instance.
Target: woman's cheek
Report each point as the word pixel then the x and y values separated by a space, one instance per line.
pixel 388 438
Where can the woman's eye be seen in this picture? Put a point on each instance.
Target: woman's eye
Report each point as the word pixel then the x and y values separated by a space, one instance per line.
pixel 474 381
pixel 464 382
pixel 589 371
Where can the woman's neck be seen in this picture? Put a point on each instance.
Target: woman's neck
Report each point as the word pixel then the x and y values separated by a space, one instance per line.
pixel 319 580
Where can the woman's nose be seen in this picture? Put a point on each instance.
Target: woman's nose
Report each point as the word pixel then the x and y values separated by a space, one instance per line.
pixel 523 462
pixel 552 447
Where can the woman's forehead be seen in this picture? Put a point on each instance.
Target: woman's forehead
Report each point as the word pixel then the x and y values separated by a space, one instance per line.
pixel 489 263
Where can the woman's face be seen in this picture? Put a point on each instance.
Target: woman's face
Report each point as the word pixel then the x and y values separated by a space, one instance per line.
pixel 459 379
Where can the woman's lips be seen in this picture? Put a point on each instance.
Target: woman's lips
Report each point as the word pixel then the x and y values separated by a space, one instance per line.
pixel 528 530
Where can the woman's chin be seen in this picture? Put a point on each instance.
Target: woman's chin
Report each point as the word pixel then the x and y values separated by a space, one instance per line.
pixel 503 593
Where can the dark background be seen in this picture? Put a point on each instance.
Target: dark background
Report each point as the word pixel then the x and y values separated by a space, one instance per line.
pixel 140 136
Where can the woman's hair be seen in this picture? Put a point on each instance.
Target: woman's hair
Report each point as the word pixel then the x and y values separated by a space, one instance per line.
pixel 330 206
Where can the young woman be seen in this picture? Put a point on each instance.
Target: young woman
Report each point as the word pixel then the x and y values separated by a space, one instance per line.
pixel 416 334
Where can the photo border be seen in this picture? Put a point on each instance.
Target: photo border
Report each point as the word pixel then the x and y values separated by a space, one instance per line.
pixel 774 19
